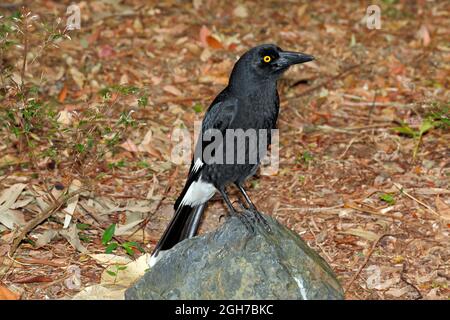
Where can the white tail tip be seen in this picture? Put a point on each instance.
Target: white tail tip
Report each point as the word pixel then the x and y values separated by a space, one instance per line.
pixel 153 260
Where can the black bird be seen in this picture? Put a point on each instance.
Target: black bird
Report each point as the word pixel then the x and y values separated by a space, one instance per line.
pixel 250 101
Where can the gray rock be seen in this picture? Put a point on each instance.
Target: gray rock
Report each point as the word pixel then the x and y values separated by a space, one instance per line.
pixel 232 263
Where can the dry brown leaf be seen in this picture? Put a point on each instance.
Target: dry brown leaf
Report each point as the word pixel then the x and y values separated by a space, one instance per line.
pixel 213 42
pixel 204 33
pixel 71 203
pixel 301 10
pixel 71 236
pixel 173 90
pixel 63 94
pixel 398 292
pixel 126 229
pixel 362 234
pixel 34 279
pixel 6 294
pixel 424 35
pixel 9 218
pixel 145 145
pixel 129 146
pixel 45 238
pixel 101 292
pixel 77 76
pixel 106 259
pixel 8 160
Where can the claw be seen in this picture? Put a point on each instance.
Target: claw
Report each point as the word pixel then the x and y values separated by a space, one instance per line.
pixel 259 218
pixel 250 218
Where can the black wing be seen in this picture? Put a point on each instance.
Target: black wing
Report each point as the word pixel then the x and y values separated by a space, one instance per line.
pixel 219 116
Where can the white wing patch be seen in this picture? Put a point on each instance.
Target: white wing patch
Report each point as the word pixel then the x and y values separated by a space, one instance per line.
pixel 197 165
pixel 199 192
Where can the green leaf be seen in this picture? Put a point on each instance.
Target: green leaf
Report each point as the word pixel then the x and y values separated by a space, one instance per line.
pixel 426 125
pixel 79 147
pixel 198 108
pixel 128 248
pixel 405 130
pixel 83 237
pixel 108 234
pixel 307 157
pixel 135 245
pixel 111 273
pixel 388 198
pixel 143 101
pixel 111 247
pixel 121 267
pixel 82 226
pixel 143 164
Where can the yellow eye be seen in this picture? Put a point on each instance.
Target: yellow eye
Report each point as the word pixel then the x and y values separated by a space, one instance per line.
pixel 267 59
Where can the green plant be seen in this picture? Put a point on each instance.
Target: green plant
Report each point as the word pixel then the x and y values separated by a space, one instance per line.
pixel 388 198
pixel 128 246
pixel 115 273
pixel 306 157
pixel 439 117
pixel 426 125
pixel 198 108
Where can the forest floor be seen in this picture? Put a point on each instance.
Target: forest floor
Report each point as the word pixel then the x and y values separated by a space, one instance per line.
pixel 364 135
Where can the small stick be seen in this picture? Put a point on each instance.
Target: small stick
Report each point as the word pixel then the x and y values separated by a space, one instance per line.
pixel 405 280
pixel 402 190
pixel 365 261
pixel 330 260
pixel 348 147
pixel 328 81
pixel 40 218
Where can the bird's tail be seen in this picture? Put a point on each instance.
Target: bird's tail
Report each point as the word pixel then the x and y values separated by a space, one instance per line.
pixel 183 225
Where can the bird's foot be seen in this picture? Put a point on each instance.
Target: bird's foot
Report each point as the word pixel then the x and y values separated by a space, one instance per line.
pixel 244 218
pixel 250 217
pixel 259 218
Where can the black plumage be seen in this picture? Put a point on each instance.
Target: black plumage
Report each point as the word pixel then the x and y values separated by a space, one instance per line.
pixel 250 101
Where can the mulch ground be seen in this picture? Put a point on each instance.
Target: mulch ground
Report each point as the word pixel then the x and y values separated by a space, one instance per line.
pixel 348 183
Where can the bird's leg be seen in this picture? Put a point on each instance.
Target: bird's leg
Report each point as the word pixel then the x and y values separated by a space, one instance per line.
pixel 247 198
pixel 252 207
pixel 233 211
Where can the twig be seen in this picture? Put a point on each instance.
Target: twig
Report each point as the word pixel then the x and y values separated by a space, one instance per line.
pixel 44 262
pixel 40 218
pixel 372 104
pixel 311 210
pixel 368 211
pixel 326 82
pixel 405 280
pixel 11 6
pixel 318 244
pixel 144 223
pixel 402 190
pixel 365 261
pixel 348 147
pixel 25 50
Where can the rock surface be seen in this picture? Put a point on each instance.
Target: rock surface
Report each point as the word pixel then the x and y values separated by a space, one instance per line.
pixel 231 263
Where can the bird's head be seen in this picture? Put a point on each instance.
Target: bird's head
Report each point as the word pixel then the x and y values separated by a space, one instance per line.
pixel 267 62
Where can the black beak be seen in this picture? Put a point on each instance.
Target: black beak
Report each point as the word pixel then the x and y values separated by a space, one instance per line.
pixel 288 58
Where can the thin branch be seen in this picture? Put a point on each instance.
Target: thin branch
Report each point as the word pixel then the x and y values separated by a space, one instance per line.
pixel 405 280
pixel 329 80
pixel 365 261
pixel 402 190
pixel 42 217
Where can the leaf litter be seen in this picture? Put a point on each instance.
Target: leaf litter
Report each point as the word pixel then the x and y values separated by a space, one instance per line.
pixel 338 145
